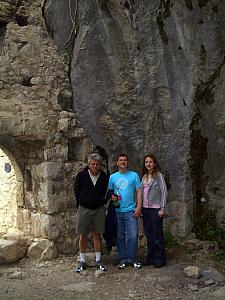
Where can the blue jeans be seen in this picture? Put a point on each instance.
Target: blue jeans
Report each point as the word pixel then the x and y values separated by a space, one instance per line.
pixel 127 236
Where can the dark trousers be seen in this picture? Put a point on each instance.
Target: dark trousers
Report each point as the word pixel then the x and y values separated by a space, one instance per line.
pixel 110 234
pixel 153 228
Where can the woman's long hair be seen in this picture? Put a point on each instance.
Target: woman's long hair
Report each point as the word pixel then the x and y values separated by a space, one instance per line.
pixel 156 169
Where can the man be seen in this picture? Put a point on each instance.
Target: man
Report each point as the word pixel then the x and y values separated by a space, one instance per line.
pixel 125 185
pixel 90 191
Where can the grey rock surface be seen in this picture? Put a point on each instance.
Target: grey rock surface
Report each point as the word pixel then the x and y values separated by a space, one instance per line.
pixel 213 274
pixel 220 293
pixel 147 76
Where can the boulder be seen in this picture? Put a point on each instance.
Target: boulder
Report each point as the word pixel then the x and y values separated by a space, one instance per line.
pixel 42 250
pixel 10 251
pixel 192 271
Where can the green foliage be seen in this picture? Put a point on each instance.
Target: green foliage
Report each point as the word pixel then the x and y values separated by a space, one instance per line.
pixel 220 256
pixel 66 52
pixel 206 228
pixel 221 131
pixel 170 240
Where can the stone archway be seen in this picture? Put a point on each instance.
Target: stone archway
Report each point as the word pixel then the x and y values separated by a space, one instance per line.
pixel 11 189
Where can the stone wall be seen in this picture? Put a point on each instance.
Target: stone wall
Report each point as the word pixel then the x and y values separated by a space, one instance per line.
pixel 38 128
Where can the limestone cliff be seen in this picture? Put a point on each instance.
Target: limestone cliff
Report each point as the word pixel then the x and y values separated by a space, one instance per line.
pixel 148 76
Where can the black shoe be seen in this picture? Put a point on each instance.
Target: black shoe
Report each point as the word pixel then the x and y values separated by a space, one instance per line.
pixel 82 267
pixel 122 266
pixel 101 266
pixel 136 265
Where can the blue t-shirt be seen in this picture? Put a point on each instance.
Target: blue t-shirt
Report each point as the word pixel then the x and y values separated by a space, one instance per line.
pixel 126 184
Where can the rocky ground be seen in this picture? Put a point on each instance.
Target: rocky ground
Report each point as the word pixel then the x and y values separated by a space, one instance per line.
pixel 56 279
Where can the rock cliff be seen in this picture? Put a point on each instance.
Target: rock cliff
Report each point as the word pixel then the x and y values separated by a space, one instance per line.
pixel 126 75
pixel 148 76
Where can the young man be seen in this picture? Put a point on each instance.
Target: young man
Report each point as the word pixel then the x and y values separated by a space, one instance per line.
pixel 126 185
pixel 90 191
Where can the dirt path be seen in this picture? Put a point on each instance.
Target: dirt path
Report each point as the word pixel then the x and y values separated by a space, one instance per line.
pixel 57 280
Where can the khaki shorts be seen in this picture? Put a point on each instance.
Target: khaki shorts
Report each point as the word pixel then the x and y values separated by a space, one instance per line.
pixel 90 220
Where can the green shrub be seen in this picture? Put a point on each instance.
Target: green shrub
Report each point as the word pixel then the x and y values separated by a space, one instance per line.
pixel 221 131
pixel 220 256
pixel 206 228
pixel 169 239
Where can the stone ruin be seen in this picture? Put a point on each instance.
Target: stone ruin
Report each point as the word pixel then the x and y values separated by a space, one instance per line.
pixel 127 76
pixel 42 144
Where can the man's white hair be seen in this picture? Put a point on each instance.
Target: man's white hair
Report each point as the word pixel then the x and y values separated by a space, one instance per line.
pixel 94 156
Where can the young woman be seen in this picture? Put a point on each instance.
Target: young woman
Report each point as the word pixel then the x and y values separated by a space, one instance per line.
pixel 154 193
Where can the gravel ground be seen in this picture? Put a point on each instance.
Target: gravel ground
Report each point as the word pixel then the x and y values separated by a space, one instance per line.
pixel 57 280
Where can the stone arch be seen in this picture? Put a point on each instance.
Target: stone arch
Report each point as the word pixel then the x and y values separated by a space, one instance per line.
pixel 11 190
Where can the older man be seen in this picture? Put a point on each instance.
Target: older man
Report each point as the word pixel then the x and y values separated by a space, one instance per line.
pixel 90 191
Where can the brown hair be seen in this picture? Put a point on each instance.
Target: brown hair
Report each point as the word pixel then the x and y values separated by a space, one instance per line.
pixel 144 170
pixel 121 155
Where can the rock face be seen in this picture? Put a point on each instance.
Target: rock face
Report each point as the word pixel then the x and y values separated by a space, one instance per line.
pixel 38 129
pixel 147 76
pixel 129 76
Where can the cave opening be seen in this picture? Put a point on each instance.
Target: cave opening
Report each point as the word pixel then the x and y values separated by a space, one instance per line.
pixel 22 20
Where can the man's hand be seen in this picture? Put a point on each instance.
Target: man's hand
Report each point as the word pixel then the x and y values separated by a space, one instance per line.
pixel 137 212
